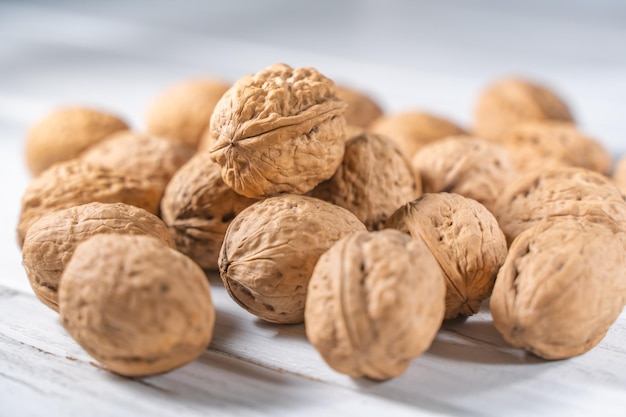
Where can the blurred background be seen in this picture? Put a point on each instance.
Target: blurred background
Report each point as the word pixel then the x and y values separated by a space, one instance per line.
pixel 432 55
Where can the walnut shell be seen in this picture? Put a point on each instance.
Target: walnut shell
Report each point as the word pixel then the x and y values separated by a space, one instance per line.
pixel 537 144
pixel 183 111
pixel 557 192
pixel 412 130
pixel 140 155
pixel 619 175
pixel 373 180
pixel 510 101
pixel 464 165
pixel 375 302
pixel 65 133
pixel 198 207
pixel 75 182
pixel 271 248
pixel 362 110
pixel 278 131
pixel 561 287
pixel 465 239
pixel 51 241
pixel 136 305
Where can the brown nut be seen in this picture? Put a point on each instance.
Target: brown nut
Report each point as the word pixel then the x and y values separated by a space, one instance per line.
pixel 278 131
pixel 198 207
pixel 557 192
pixel 464 165
pixel 375 302
pixel 51 241
pixel 76 182
pixel 271 248
pixel 413 130
pixel 619 175
pixel 373 180
pixel 65 133
pixel 561 287
pixel 183 111
pixel 466 241
pixel 136 305
pixel 537 144
pixel 362 110
pixel 510 101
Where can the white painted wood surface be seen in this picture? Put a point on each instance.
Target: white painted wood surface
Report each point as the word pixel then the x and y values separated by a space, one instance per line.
pixel 407 54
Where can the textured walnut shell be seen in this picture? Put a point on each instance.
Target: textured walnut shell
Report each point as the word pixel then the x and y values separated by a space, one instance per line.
pixel 535 145
pixel 281 130
pixel 466 241
pixel 468 166
pixel 65 133
pixel 140 155
pixel 76 182
pixel 413 130
pixel 198 207
pixel 557 192
pixel 561 287
pixel 373 180
pixel 136 305
pixel 51 241
pixel 619 175
pixel 375 302
pixel 183 111
pixel 362 110
pixel 510 101
pixel 271 248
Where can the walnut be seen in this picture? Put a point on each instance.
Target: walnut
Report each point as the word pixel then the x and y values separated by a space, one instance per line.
pixel 51 241
pixel 373 180
pixel 65 133
pixel 464 165
pixel 537 144
pixel 510 101
pixel 182 112
pixel 136 305
pixel 271 248
pixel 412 130
pixel 561 287
pixel 619 175
pixel 76 182
pixel 466 241
pixel 198 207
pixel 278 131
pixel 557 192
pixel 375 302
pixel 362 110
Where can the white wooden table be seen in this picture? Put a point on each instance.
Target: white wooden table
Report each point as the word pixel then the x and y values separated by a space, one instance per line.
pixel 408 55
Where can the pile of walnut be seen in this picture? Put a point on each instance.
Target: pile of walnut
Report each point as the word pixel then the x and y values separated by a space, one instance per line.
pixel 316 207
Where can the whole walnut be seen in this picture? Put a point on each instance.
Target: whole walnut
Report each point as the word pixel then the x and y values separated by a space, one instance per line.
pixel 362 110
pixel 375 302
pixel 373 180
pixel 140 155
pixel 136 305
pixel 51 241
pixel 280 130
pixel 561 287
pixel 557 192
pixel 66 133
pixel 510 101
pixel 198 207
pixel 183 111
pixel 537 144
pixel 76 182
pixel 465 239
pixel 271 248
pixel 412 130
pixel 471 167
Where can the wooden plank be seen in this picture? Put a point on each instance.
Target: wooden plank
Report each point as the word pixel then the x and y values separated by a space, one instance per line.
pixel 468 370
